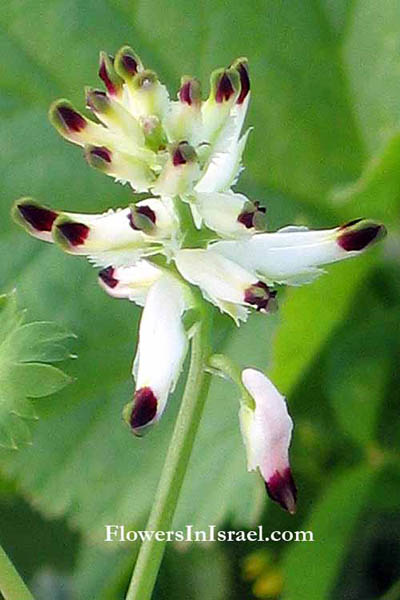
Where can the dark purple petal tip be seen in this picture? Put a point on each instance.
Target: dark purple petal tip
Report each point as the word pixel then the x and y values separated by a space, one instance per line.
pixel 244 82
pixel 107 73
pixel 357 235
pixel 72 120
pixel 142 218
pixel 281 488
pixel 178 158
pixel 101 152
pixel 190 92
pixel 260 296
pixel 130 64
pixel 225 89
pixel 182 153
pixel 75 233
pixel 253 216
pixel 38 217
pixel 107 276
pixel 97 100
pixel 144 408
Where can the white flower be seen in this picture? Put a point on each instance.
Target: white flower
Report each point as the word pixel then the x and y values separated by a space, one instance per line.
pixel 186 155
pixel 267 431
pixel 161 351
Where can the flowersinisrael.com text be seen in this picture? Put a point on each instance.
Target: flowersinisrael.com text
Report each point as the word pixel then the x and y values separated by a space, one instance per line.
pixel 119 533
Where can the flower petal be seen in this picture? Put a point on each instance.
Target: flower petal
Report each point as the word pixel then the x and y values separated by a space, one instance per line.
pixel 183 120
pixel 35 219
pixel 180 171
pixel 161 352
pixel 112 81
pixel 230 215
pixel 223 282
pixel 112 238
pixel 123 167
pixel 267 432
pixel 224 91
pixel 131 282
pixel 224 165
pixel 288 254
pixel 76 128
pixel 115 116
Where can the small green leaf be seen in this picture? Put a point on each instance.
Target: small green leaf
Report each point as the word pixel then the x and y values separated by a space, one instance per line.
pixel 21 375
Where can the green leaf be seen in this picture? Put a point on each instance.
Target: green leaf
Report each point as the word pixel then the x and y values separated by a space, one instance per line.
pixel 21 376
pixel 309 316
pixel 310 568
pixel 359 367
pixel 376 192
pixel 372 58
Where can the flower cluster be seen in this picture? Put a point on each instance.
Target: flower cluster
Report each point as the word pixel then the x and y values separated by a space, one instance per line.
pixel 192 231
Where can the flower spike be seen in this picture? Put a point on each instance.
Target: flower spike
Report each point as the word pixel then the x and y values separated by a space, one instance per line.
pixel 187 151
pixel 267 431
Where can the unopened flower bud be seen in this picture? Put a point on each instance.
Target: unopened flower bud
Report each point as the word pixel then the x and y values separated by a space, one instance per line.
pixel 108 74
pixel 127 63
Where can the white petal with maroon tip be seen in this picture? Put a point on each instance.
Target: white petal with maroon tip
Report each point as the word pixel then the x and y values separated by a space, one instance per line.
pixel 225 87
pixel 76 128
pixel 221 211
pixel 293 254
pixel 109 238
pixel 222 281
pixel 124 167
pixel 179 173
pixel 161 350
pixel 132 283
pixel 267 431
pixel 110 112
pixel 147 96
pixel 35 219
pixel 183 120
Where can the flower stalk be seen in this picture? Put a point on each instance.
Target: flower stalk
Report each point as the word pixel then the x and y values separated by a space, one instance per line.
pixel 176 463
pixel 12 585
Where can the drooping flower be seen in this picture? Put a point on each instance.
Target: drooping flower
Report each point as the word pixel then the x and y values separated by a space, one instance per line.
pixel 191 230
pixel 267 431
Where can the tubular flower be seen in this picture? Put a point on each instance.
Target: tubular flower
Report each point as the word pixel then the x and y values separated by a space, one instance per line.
pixel 267 430
pixel 191 230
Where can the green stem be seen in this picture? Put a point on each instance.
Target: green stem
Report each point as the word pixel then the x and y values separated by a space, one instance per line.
pixel 176 462
pixel 393 593
pixel 11 584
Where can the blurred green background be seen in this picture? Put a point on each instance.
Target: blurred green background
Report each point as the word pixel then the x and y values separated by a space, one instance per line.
pixel 325 149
